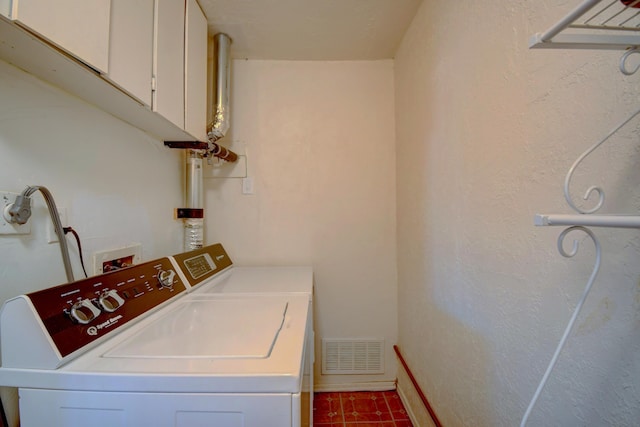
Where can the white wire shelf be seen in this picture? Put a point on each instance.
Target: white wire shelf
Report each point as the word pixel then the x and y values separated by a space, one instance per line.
pixel 595 24
pixel 615 221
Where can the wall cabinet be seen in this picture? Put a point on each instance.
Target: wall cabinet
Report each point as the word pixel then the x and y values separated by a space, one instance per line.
pixel 147 59
pixel 5 8
pixel 158 54
pixel 168 62
pixel 195 73
pixel 79 27
pixel 131 47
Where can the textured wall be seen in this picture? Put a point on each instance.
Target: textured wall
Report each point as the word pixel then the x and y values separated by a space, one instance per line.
pixel 486 130
pixel 319 138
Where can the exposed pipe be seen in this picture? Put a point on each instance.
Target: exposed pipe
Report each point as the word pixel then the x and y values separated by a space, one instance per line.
pixel 210 148
pixel 222 152
pixel 219 125
pixel 194 213
pixel 423 398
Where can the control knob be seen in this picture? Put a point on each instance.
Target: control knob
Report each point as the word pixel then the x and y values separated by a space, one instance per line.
pixel 165 278
pixel 110 301
pixel 83 311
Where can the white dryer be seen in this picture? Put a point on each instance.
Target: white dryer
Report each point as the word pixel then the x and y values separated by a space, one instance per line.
pixel 209 271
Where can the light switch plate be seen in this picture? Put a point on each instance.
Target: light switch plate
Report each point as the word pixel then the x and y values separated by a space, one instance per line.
pixel 247 185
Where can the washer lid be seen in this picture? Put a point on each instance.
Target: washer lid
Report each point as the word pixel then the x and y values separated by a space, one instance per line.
pixel 211 329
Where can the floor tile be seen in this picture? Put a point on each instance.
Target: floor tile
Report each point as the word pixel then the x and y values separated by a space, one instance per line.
pixel 359 409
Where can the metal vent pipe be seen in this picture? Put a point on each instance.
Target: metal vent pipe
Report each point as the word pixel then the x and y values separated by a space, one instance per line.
pixel 217 128
pixel 219 125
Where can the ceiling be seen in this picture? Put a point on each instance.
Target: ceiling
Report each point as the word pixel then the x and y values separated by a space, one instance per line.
pixel 311 29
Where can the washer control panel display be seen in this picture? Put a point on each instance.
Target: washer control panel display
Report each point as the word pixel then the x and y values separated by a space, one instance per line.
pixel 79 313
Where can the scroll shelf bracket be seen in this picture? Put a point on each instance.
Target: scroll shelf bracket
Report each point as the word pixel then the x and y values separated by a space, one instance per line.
pixel 578 222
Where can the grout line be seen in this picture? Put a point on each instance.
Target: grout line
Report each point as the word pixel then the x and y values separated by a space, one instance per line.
pixel 344 421
pixel 386 402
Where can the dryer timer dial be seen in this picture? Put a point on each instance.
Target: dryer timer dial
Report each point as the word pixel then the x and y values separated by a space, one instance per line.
pixel 165 278
pixel 83 311
pixel 110 301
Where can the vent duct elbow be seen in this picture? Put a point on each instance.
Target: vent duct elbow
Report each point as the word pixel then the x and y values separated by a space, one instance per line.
pixel 219 125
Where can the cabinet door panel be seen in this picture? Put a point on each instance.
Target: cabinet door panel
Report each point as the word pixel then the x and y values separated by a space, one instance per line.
pixel 168 96
pixel 80 27
pixel 131 47
pixel 5 8
pixel 195 118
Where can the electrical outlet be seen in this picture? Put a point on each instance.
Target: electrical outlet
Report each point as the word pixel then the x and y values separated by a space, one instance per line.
pixel 52 237
pixel 115 259
pixel 6 228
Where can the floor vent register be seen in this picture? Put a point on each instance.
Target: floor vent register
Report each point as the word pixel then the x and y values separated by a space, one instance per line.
pixel 352 356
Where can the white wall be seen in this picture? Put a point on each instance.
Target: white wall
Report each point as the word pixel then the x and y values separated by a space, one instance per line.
pixel 486 130
pixel 118 185
pixel 319 138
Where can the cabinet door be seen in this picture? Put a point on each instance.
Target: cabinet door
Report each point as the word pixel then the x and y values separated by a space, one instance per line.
pixel 131 47
pixel 5 8
pixel 79 27
pixel 168 94
pixel 195 114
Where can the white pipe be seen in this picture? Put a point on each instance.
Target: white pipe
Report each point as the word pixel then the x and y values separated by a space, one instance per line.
pixel 194 223
pixel 195 193
pixel 194 226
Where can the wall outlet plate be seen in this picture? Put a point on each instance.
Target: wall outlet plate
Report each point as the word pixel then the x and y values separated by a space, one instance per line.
pixel 115 259
pixel 6 228
pixel 216 168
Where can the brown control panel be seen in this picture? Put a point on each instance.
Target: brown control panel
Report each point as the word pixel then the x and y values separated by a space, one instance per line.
pixel 200 264
pixel 81 312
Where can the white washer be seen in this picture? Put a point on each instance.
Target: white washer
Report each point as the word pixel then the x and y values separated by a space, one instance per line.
pixel 143 351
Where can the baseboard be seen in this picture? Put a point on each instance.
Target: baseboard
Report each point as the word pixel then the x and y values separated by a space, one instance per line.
pixel 407 406
pixel 370 386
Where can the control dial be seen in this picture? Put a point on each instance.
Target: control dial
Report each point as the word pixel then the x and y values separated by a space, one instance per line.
pixel 110 301
pixel 83 311
pixel 165 278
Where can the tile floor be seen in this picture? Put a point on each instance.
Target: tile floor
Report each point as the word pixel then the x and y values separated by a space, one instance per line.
pixel 359 409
